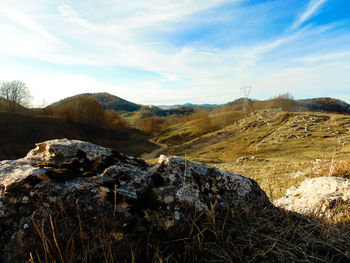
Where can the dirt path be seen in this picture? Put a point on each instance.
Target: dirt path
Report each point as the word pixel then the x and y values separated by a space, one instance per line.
pixel 156 152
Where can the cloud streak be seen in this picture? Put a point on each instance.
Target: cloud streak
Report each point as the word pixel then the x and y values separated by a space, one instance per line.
pixel 27 22
pixel 311 10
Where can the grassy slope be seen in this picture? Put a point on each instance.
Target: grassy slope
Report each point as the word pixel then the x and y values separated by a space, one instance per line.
pixel 19 133
pixel 282 147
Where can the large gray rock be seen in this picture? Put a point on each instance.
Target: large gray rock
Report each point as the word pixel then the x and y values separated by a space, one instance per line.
pixel 69 177
pixel 320 196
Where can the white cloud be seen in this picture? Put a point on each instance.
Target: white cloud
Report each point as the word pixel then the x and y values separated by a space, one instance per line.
pixel 310 81
pixel 70 14
pixel 312 8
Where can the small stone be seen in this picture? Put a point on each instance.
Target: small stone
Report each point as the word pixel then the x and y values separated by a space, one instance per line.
pixel 118 236
pixel 12 200
pixel 25 226
pixel 168 199
pixel 168 224
pixel 25 200
pixel 102 192
pixel 52 199
pixel 177 215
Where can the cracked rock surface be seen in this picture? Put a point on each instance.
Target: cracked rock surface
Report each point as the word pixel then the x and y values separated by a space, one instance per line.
pixel 61 179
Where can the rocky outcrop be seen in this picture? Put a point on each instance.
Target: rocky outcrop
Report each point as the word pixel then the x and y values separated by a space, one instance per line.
pixel 321 196
pixel 61 183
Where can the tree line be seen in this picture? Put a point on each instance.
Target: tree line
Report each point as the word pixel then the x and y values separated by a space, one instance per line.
pixel 84 110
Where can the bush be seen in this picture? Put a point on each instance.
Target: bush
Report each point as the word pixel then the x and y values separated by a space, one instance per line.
pixel 114 121
pixel 149 125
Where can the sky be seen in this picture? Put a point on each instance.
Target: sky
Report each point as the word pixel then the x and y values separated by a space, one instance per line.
pixel 158 52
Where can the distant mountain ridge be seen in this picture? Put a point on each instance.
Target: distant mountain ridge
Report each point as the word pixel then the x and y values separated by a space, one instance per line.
pixel 120 105
pixel 323 104
pixel 186 105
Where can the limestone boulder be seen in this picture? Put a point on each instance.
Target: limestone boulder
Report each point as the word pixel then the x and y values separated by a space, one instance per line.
pixel 62 183
pixel 320 196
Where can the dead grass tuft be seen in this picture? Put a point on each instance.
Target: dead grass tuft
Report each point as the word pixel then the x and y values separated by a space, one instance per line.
pixel 222 235
pixel 340 169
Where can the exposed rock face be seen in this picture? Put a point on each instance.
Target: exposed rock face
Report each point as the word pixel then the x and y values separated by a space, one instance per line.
pixel 320 196
pixel 62 178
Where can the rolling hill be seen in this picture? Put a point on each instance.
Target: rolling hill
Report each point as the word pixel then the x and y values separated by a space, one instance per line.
pixel 106 100
pixel 274 147
pixel 112 102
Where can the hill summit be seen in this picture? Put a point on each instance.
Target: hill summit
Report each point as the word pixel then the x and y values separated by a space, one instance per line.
pixel 112 102
pixel 106 100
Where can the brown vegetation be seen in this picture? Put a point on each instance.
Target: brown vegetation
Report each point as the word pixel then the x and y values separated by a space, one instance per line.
pixel 114 121
pixel 149 125
pixel 80 117
pixel 20 132
pixel 86 110
pixel 220 236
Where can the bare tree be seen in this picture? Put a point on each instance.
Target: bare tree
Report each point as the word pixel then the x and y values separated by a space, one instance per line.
pixel 16 93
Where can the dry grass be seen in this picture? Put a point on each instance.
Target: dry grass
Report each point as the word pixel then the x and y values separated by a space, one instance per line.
pixel 290 142
pixel 273 235
pixel 338 169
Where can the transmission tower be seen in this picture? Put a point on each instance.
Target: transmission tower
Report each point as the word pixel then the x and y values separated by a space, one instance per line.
pixel 246 91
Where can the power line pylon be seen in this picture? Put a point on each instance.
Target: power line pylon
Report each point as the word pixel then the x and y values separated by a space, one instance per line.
pixel 246 91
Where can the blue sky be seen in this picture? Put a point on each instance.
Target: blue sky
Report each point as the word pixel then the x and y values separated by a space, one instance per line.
pixel 171 52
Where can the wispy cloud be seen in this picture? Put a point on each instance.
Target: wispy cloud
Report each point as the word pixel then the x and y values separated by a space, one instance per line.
pixel 317 58
pixel 312 8
pixel 27 22
pixel 67 12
